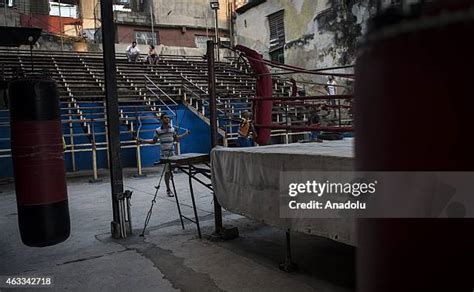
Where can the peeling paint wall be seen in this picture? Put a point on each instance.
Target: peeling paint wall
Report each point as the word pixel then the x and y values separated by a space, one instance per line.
pixel 195 13
pixel 319 33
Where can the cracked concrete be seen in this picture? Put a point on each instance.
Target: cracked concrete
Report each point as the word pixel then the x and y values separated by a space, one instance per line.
pixel 168 258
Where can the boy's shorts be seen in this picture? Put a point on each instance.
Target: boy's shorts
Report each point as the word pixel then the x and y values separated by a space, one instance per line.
pixel 244 142
pixel 165 155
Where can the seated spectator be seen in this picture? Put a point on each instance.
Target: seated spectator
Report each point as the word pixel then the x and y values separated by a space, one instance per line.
pixel 152 56
pixel 133 52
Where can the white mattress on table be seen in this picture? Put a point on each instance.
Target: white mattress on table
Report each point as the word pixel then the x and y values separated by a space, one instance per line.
pixel 246 182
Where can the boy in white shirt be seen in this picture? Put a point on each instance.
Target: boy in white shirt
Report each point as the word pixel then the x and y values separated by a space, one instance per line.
pixel 133 52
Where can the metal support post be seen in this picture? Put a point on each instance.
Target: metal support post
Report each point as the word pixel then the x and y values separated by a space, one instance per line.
pixel 190 181
pixel 288 266
pixel 139 160
pixel 138 155
pixel 170 168
pixel 71 135
pixel 94 163
pixel 94 154
pixel 178 148
pixel 217 33
pixel 113 121
pixel 339 112
pixel 106 128
pixel 219 231
pixel 128 215
pixel 213 121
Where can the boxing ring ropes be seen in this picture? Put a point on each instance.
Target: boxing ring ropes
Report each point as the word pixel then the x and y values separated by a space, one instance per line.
pixel 323 100
pixel 265 125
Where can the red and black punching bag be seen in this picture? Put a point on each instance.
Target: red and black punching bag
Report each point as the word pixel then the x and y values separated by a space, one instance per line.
pixel 38 162
pixel 414 107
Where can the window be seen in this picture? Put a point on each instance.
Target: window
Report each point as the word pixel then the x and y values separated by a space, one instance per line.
pixel 146 38
pixel 201 41
pixel 278 56
pixel 122 5
pixel 122 2
pixel 277 34
pixel 67 10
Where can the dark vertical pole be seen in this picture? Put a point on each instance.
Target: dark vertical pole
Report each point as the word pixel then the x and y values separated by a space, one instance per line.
pixel 217 32
pixel 108 43
pixel 213 120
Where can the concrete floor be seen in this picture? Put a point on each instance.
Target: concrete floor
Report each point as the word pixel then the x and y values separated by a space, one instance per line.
pixel 167 258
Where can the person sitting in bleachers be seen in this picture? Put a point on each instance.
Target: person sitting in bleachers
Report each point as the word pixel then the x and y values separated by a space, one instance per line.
pixel 133 53
pixel 152 56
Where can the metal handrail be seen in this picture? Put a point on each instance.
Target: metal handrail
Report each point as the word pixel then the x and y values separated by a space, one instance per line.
pixel 190 82
pixel 205 102
pixel 151 89
pixel 219 102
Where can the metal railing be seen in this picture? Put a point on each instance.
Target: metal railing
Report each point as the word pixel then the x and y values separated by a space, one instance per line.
pixel 205 100
pixel 152 88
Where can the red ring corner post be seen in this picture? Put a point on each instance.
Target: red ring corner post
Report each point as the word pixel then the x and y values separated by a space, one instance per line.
pixel 264 88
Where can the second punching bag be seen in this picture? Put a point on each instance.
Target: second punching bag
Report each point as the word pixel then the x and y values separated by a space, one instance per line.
pixel 38 162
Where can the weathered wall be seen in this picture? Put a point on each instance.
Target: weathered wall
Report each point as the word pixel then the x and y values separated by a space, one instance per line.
pixel 196 13
pixel 319 33
pixel 178 21
pixel 168 36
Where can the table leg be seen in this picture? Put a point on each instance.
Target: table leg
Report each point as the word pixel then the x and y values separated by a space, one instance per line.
pixel 190 176
pixel 176 195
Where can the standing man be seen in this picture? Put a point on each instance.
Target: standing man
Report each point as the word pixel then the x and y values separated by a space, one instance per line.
pixel 332 90
pixel 167 135
pixel 246 125
pixel 331 85
pixel 133 52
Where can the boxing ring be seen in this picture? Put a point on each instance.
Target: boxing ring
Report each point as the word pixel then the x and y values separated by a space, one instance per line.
pixel 246 182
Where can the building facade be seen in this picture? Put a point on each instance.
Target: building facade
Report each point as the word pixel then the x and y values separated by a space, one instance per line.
pixel 179 23
pixel 305 33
